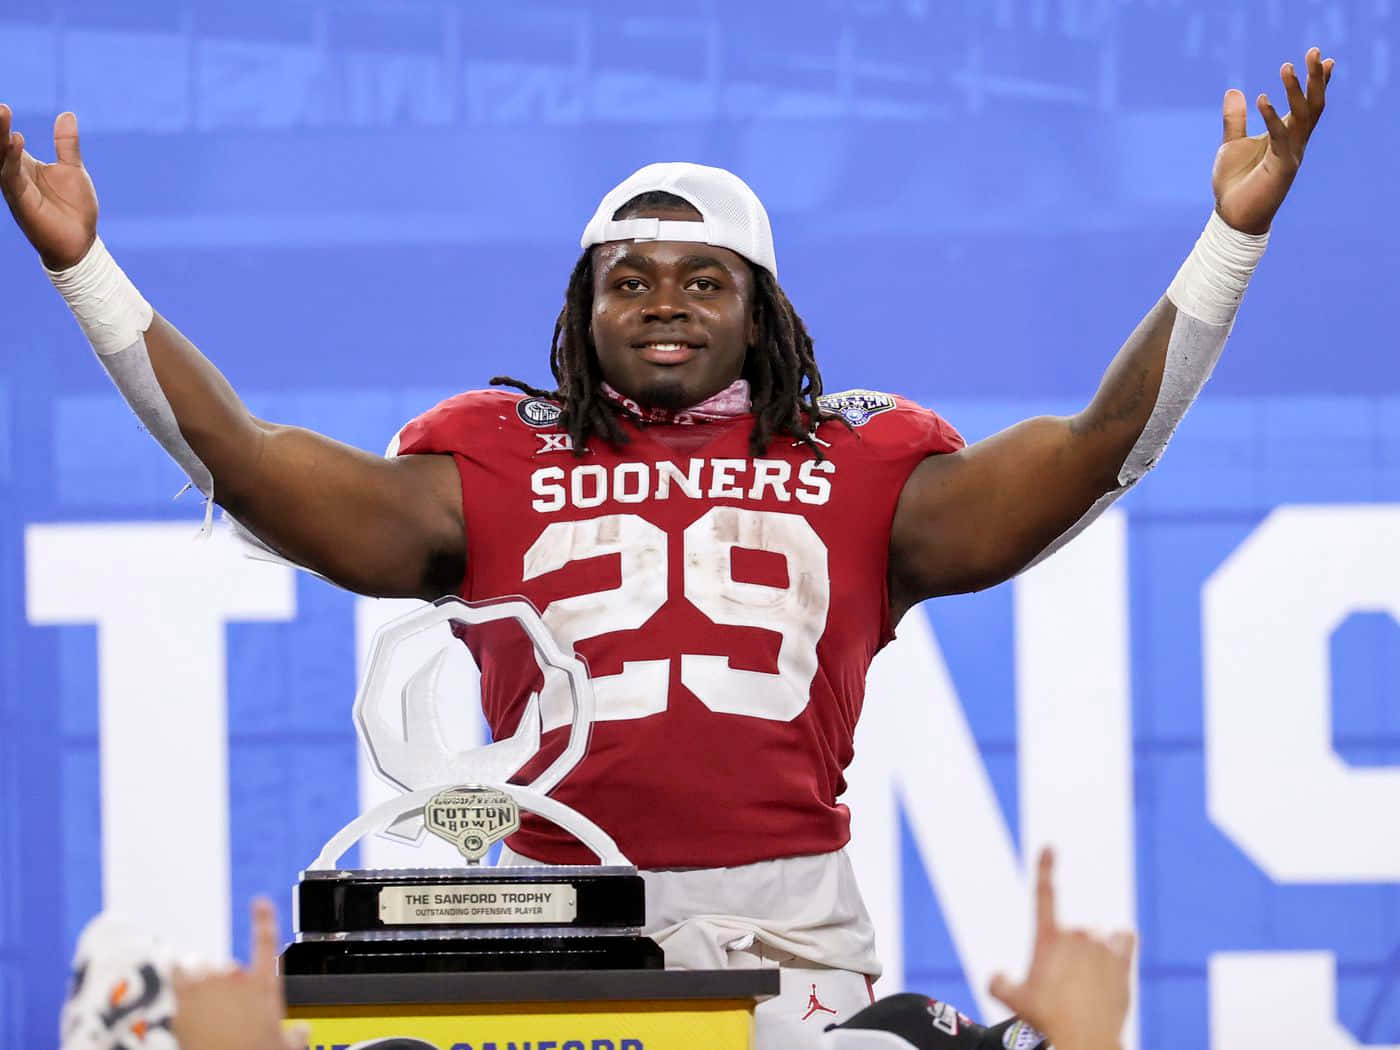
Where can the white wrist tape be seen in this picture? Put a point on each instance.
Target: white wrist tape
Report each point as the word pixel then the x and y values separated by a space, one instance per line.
pixel 109 309
pixel 1206 292
pixel 1212 280
pixel 114 316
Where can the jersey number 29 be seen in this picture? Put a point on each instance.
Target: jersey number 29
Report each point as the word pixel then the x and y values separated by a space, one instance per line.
pixel 796 613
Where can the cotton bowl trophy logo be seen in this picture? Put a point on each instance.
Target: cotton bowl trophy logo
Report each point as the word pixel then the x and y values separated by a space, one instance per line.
pixel 474 917
pixel 472 818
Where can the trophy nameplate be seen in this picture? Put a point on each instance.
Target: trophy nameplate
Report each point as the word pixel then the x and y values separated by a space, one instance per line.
pixel 472 918
pixel 452 904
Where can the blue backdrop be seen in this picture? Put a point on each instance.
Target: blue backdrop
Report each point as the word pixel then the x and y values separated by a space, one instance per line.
pixel 357 208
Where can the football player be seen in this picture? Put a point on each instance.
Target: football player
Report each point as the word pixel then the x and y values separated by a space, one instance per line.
pixel 726 545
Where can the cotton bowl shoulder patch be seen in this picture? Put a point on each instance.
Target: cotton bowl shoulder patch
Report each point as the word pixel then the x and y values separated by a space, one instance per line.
pixel 537 412
pixel 857 407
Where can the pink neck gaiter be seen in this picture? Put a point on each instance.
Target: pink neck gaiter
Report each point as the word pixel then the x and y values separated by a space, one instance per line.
pixel 730 403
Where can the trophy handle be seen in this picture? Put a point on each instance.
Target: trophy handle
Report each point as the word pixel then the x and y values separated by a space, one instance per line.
pixel 394 809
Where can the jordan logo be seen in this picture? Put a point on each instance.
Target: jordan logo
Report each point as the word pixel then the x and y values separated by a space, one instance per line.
pixel 814 1005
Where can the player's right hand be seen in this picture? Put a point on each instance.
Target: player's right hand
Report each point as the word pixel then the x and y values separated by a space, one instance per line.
pixel 55 205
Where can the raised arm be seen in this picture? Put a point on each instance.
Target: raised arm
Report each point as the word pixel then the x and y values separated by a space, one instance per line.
pixel 377 526
pixel 974 518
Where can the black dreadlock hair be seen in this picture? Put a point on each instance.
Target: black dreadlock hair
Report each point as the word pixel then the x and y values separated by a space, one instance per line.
pixel 782 372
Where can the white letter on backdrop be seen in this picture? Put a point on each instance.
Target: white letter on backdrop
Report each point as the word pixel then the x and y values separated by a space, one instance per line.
pixel 1271 1000
pixel 1274 784
pixel 160 600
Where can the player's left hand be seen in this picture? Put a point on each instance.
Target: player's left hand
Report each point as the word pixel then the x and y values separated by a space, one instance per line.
pixel 237 1009
pixel 1252 173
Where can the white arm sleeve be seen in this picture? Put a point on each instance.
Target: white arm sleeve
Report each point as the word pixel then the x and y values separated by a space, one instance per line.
pixel 1206 292
pixel 131 372
pixel 114 316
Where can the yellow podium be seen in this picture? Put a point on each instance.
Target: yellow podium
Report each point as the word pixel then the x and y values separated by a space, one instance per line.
pixel 546 1010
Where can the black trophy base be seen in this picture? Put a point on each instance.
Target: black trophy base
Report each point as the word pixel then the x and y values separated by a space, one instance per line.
pixel 477 955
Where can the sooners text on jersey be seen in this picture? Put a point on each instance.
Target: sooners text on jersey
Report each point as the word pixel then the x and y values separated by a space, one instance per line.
pixel 728 607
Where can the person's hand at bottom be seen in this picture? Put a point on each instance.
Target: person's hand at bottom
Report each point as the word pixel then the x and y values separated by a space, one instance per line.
pixel 237 1008
pixel 1079 985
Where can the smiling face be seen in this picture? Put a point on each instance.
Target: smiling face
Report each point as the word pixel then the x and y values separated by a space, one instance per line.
pixel 672 320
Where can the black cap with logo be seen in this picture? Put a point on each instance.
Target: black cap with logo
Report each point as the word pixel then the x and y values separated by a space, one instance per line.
pixel 928 1024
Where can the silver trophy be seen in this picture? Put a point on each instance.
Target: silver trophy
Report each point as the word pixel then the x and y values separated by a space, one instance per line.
pixel 474 917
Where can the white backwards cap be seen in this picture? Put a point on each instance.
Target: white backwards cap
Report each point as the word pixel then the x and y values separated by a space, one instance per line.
pixel 731 215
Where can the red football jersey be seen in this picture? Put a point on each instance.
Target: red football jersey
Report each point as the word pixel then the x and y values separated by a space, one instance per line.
pixel 728 607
